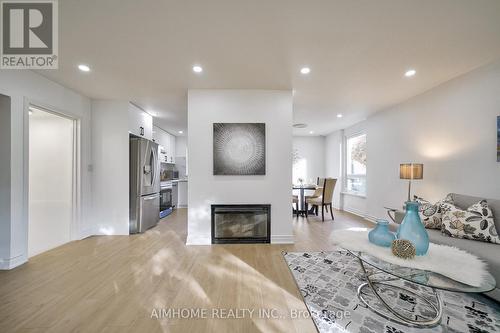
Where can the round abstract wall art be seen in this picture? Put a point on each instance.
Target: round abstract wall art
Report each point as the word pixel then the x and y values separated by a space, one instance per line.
pixel 239 148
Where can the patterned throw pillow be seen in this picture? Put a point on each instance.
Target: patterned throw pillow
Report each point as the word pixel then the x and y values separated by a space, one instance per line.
pixel 475 223
pixel 448 199
pixel 429 214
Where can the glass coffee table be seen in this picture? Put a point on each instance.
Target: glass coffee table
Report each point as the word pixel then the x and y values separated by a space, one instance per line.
pixel 435 281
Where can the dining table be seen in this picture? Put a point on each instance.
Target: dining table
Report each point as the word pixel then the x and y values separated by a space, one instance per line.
pixel 302 201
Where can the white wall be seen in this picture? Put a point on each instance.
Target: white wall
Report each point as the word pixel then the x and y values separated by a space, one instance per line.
pixel 5 190
pixel 451 129
pixel 274 108
pixel 311 153
pixel 110 181
pixel 23 87
pixel 180 146
pixel 50 181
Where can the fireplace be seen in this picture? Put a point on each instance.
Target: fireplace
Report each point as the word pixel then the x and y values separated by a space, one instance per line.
pixel 241 224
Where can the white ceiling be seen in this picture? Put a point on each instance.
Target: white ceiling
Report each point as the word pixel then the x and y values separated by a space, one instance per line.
pixel 358 51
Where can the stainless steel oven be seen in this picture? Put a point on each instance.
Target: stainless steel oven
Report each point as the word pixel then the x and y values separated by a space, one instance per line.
pixel 165 199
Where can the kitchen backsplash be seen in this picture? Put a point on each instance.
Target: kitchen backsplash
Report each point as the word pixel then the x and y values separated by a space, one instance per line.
pixel 180 164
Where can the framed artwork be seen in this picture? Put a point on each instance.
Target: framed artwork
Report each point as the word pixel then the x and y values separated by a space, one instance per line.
pixel 239 148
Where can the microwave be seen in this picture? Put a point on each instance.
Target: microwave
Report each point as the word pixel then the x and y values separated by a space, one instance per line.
pixel 168 172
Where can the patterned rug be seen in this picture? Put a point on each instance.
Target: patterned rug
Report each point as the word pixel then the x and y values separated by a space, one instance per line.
pixel 329 281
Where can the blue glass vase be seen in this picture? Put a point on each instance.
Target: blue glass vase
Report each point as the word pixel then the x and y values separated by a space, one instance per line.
pixel 413 230
pixel 380 235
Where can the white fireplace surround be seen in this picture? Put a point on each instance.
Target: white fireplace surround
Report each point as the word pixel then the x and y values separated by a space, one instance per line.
pixel 272 107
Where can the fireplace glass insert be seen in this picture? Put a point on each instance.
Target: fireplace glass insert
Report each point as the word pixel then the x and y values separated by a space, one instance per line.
pixel 241 224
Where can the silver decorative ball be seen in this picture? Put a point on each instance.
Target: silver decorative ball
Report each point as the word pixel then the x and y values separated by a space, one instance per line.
pixel 403 248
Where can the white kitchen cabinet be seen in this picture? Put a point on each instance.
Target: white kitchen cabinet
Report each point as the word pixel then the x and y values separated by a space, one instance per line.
pixel 167 143
pixel 156 134
pixel 140 122
pixel 162 154
pixel 172 149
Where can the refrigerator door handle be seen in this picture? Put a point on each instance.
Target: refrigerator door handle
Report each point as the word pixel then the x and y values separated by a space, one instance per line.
pixel 153 167
pixel 156 196
pixel 156 167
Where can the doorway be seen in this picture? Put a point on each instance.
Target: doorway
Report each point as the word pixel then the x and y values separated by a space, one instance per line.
pixel 52 170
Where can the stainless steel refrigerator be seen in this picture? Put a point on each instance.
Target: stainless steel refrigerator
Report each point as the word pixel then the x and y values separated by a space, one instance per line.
pixel 144 185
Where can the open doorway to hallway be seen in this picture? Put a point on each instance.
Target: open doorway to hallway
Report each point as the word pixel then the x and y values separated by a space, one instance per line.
pixel 52 174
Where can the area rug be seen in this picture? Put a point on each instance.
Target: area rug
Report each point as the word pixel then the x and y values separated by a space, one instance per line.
pixel 445 260
pixel 328 282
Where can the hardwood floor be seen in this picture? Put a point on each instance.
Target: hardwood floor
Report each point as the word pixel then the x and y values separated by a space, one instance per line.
pixel 113 283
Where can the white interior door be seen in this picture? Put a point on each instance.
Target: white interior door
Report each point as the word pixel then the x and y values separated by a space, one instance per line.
pixel 51 180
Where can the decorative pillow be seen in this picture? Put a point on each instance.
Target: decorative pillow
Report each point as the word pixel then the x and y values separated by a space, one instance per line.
pixel 448 199
pixel 429 214
pixel 475 223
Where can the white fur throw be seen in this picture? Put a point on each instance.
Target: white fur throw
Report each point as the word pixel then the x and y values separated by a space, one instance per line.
pixel 452 262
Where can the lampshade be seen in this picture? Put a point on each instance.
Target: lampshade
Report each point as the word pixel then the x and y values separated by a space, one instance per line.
pixel 411 171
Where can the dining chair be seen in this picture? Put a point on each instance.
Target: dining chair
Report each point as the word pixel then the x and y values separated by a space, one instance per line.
pixel 318 192
pixel 320 183
pixel 325 200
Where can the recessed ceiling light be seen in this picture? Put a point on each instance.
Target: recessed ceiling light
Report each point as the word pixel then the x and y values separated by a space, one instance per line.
pixel 305 70
pixel 340 115
pixel 311 132
pixel 299 125
pixel 84 68
pixel 180 132
pixel 410 72
pixel 197 69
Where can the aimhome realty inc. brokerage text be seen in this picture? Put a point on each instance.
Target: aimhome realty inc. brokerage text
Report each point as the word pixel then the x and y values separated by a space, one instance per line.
pixel 234 313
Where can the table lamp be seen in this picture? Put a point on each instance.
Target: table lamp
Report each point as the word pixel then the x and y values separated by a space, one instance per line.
pixel 411 171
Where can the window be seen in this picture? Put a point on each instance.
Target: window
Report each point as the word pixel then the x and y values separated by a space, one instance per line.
pixel 356 164
pixel 299 171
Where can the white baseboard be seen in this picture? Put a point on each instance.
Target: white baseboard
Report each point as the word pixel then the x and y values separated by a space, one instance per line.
pixel 282 239
pixel 355 212
pixel 359 213
pixel 86 233
pixel 11 263
pixel 371 218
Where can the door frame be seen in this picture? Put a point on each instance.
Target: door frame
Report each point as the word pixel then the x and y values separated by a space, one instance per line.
pixel 75 222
